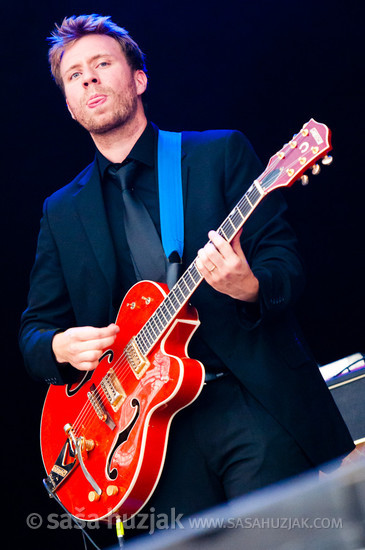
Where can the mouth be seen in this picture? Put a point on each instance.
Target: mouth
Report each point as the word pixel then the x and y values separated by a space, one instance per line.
pixel 96 100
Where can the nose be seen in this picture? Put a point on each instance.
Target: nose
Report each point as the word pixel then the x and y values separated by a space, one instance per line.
pixel 90 78
pixel 90 81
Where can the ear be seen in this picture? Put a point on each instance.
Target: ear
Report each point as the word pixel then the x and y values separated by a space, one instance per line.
pixel 69 110
pixel 141 81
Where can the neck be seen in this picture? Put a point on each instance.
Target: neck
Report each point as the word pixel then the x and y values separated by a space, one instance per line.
pixel 116 144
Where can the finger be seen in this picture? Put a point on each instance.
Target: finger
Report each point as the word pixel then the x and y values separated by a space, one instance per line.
pixel 104 332
pixel 100 344
pixel 236 244
pixel 88 359
pixel 92 333
pixel 204 261
pixel 86 365
pixel 220 244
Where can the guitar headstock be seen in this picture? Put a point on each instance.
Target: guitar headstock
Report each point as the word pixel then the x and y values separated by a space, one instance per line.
pixel 301 153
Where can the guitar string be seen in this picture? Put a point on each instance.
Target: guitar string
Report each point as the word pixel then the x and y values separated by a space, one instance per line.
pixel 122 361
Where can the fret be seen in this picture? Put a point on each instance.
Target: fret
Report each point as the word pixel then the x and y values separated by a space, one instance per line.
pixel 153 326
pixel 142 336
pixel 165 312
pixel 143 347
pixel 237 217
pixel 253 195
pixel 230 220
pixel 147 333
pixel 222 233
pixel 189 280
pixel 170 307
pixel 194 272
pixel 174 301
pixel 229 230
pixel 179 295
pixel 160 310
pixel 244 207
pixel 142 340
pixel 183 282
pixel 150 340
pixel 158 322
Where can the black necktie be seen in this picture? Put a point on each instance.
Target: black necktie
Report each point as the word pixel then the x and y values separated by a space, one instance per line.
pixel 145 245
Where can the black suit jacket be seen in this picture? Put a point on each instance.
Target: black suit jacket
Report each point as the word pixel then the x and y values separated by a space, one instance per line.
pixel 73 283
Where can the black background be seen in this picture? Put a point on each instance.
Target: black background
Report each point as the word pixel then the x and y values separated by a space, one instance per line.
pixel 263 67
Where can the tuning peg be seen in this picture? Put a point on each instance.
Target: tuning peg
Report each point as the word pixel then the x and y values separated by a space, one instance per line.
pixel 327 160
pixel 316 169
pixel 304 179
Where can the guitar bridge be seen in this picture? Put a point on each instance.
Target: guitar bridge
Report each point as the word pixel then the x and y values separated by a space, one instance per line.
pixel 136 360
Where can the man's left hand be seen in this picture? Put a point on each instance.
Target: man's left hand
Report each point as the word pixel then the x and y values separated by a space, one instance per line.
pixel 224 266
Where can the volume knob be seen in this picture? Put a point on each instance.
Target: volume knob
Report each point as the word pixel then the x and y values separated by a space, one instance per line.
pixel 93 496
pixel 112 490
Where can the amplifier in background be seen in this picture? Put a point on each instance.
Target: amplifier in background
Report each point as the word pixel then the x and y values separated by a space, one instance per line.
pixel 348 391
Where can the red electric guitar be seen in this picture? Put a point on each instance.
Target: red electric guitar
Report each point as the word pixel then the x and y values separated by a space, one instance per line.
pixel 104 439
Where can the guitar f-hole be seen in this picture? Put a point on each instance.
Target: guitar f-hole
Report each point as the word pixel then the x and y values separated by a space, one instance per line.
pixel 122 438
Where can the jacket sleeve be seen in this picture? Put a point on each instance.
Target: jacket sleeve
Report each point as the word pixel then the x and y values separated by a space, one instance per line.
pixel 268 241
pixel 49 311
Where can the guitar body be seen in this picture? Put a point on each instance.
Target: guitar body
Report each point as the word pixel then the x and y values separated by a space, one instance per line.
pixel 125 435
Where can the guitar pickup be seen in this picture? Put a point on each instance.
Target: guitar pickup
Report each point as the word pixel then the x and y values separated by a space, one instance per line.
pixel 98 406
pixel 136 360
pixel 113 390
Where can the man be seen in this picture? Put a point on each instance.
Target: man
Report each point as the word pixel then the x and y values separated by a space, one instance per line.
pixel 265 413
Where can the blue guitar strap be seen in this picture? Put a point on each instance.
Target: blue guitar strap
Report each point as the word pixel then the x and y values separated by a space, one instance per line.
pixel 171 200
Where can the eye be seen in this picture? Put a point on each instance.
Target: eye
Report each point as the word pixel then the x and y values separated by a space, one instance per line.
pixel 74 75
pixel 103 64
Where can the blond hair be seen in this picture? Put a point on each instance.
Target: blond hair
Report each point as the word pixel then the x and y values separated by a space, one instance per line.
pixel 75 27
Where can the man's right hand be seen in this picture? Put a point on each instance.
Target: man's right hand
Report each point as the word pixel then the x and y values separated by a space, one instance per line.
pixel 82 347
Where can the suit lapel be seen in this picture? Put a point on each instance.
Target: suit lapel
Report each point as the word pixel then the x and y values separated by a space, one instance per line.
pixel 90 206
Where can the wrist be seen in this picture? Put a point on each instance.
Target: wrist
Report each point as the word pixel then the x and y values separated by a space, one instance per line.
pixel 57 347
pixel 250 292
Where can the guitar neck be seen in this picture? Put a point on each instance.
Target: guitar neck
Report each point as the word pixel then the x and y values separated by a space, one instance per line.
pixel 285 167
pixel 185 287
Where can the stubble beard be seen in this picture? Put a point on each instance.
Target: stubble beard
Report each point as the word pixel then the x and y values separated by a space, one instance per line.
pixel 125 110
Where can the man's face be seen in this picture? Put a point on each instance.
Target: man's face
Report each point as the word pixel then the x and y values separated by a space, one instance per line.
pixel 102 91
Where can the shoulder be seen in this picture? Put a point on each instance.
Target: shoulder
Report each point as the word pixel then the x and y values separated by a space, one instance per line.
pixel 65 194
pixel 220 148
pixel 215 139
